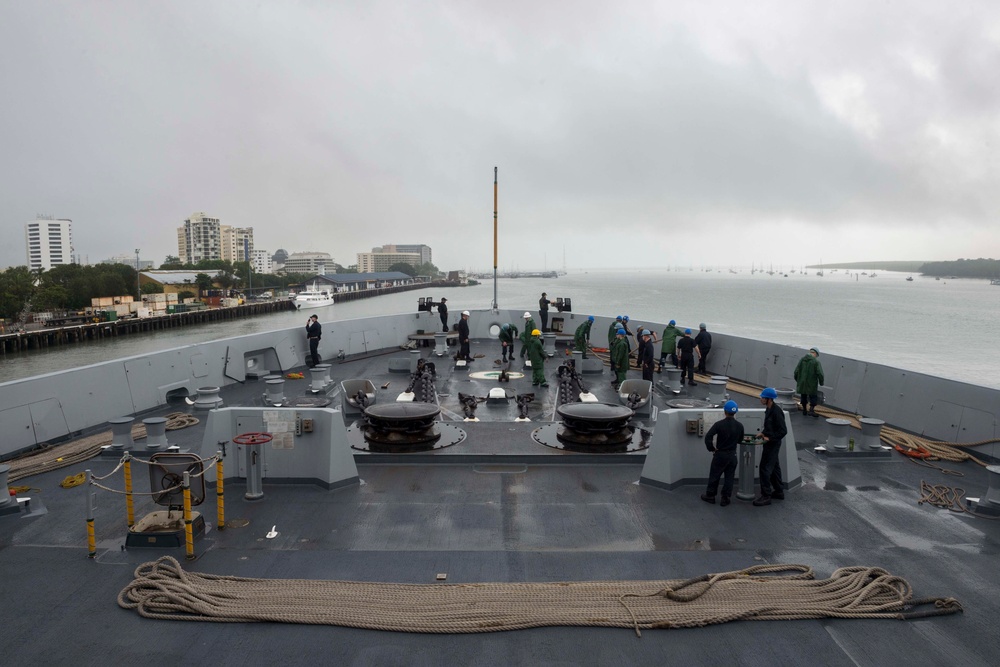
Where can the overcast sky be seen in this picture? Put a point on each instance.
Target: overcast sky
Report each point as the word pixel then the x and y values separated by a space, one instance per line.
pixel 626 133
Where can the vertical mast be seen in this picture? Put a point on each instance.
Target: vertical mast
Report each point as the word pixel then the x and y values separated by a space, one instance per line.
pixel 494 238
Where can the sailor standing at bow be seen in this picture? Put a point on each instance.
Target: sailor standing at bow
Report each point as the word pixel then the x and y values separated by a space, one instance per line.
pixel 314 331
pixel 773 431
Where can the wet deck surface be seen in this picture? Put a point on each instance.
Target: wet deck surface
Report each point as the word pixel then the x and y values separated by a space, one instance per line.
pixel 501 507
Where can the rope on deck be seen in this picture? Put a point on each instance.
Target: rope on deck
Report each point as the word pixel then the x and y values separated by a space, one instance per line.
pixel 82 449
pixel 162 590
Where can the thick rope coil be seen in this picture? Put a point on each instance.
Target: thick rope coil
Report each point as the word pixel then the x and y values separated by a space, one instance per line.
pixel 82 449
pixel 162 589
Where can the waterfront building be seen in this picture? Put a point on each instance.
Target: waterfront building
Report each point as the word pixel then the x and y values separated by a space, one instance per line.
pixel 369 262
pixel 419 249
pixel 199 238
pixel 353 282
pixel 48 242
pixel 176 281
pixel 309 262
pixel 261 261
pixel 129 260
pixel 235 241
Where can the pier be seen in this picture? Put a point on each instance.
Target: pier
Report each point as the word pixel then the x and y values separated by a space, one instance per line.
pixel 54 336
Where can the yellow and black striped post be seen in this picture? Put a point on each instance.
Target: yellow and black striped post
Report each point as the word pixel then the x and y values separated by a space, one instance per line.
pixel 129 506
pixel 188 528
pixel 91 506
pixel 220 498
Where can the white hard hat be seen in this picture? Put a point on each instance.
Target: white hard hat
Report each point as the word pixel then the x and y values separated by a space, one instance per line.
pixel 527 315
pixel 465 312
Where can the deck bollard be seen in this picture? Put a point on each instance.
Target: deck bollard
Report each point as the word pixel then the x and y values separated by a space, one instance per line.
pixel 673 382
pixel 717 391
pixel 786 400
pixel 275 394
pixel 838 433
pixel 440 344
pixel 121 433
pixel 156 433
pixel 208 398
pixel 326 373
pixel 549 344
pixel 871 432
pixel 318 377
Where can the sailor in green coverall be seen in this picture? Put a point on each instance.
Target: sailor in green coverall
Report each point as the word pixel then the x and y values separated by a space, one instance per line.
pixel 669 346
pixel 613 330
pixel 619 356
pixel 529 326
pixel 536 355
pixel 582 336
pixel 507 336
pixel 808 377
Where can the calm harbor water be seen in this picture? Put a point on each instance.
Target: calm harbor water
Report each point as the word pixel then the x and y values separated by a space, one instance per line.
pixel 940 327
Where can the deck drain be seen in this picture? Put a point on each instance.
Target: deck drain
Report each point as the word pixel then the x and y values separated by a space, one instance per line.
pixel 237 523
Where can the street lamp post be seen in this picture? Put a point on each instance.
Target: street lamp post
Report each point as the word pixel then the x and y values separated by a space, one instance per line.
pixel 138 289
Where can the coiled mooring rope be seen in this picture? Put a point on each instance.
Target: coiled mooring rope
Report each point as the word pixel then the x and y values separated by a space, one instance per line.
pixel 82 449
pixel 163 590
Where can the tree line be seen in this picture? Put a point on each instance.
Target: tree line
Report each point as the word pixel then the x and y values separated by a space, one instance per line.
pixel 963 268
pixel 73 286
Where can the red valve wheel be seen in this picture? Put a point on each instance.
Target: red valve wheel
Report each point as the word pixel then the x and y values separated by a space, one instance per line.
pixel 252 438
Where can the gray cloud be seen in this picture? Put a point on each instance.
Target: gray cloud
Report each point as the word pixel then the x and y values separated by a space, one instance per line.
pixel 339 128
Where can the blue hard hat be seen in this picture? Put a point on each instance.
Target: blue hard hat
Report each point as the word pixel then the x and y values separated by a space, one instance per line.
pixel 687 331
pixel 673 322
pixel 624 318
pixel 620 332
pixel 647 332
pixel 590 319
pixel 618 319
pixel 731 408
pixel 769 392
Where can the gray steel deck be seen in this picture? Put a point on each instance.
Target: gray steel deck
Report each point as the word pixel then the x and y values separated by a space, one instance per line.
pixel 530 514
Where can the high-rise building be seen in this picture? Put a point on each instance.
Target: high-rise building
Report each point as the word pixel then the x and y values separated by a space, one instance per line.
pixel 376 262
pixel 261 261
pixel 200 237
pixel 423 250
pixel 49 242
pixel 234 242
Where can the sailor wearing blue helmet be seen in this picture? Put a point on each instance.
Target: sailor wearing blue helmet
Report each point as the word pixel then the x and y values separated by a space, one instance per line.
pixel 669 345
pixel 722 440
pixel 773 431
pixel 582 336
pixel 686 348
